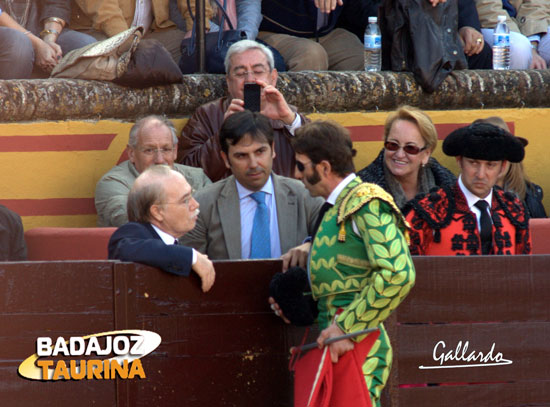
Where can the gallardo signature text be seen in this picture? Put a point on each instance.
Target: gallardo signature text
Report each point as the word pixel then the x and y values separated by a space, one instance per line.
pixel 461 354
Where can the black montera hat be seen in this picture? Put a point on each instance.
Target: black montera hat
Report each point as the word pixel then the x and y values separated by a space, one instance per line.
pixel 483 141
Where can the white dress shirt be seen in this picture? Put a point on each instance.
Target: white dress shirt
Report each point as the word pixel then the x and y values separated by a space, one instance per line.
pixel 169 239
pixel 471 199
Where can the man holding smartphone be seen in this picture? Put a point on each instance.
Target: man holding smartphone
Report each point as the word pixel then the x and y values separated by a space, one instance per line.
pixel 246 62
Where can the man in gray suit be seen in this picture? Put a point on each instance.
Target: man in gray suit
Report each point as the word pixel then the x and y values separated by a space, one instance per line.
pixel 153 141
pixel 234 223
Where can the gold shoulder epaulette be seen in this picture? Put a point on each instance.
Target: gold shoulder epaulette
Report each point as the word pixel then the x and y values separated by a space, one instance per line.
pixel 359 196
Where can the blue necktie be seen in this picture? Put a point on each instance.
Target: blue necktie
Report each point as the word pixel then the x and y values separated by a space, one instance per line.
pixel 260 243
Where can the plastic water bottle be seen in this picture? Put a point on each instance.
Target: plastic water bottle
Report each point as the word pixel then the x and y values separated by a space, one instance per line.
pixel 501 45
pixel 373 46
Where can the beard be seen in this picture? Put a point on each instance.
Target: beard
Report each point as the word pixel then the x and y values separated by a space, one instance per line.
pixel 314 178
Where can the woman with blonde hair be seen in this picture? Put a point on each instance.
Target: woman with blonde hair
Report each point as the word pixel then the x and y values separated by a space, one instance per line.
pixel 405 167
pixel 515 180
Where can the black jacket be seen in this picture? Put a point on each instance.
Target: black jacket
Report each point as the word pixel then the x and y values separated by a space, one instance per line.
pixel 295 17
pixel 140 243
pixel 421 39
pixel 533 201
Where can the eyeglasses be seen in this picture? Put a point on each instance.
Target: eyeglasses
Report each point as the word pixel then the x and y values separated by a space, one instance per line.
pixel 256 73
pixel 154 151
pixel 302 166
pixel 185 201
pixel 409 148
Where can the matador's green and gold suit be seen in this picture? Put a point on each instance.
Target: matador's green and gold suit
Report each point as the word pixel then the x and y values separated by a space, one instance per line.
pixel 360 262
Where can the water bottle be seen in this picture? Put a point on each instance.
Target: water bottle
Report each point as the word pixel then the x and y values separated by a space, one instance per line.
pixel 373 46
pixel 501 45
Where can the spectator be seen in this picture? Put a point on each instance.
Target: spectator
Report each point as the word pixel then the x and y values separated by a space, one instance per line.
pixel 161 208
pixel 229 226
pixel 305 34
pixel 12 240
pixel 33 34
pixel 515 180
pixel 405 167
pixel 355 16
pixel 199 143
pixel 245 16
pixel 521 17
pixel 104 18
pixel 152 141
pixel 479 53
pixel 473 217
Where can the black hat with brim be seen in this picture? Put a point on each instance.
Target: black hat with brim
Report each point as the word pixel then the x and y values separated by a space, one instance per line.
pixel 483 141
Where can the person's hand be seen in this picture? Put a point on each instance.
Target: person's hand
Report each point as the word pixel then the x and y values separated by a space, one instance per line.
pixel 50 40
pixel 297 256
pixel 205 269
pixel 337 348
pixel 436 2
pixel 277 310
pixel 45 55
pixel 537 62
pixel 472 40
pixel 236 105
pixel 274 104
pixel 327 6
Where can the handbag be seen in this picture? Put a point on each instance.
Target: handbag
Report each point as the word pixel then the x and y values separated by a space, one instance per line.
pixel 103 60
pixel 216 45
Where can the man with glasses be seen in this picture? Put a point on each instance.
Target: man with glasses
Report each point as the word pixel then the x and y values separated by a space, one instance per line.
pixel 152 141
pixel 161 209
pixel 472 217
pixel 254 213
pixel 252 62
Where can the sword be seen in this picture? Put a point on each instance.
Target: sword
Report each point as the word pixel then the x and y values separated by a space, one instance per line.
pixel 314 345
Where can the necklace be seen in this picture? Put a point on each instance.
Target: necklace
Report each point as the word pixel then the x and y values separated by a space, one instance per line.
pixel 22 20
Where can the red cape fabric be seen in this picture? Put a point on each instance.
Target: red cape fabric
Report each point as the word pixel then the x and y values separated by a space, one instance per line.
pixel 320 383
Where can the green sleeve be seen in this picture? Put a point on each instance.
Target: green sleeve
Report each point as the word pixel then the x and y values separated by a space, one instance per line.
pixel 393 272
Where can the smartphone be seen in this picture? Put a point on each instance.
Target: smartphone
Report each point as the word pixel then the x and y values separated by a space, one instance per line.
pixel 252 93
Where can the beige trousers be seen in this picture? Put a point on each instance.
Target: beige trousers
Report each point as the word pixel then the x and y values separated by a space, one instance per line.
pixel 339 50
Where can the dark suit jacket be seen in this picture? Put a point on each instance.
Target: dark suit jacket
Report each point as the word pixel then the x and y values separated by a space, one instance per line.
pixel 218 229
pixel 138 242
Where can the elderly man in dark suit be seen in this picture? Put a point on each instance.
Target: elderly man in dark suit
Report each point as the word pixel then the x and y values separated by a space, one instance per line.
pixel 161 208
pixel 254 213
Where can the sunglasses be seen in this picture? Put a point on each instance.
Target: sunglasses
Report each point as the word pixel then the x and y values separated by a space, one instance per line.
pixel 302 166
pixel 409 149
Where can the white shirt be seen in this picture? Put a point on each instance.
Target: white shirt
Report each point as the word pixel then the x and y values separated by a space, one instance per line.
pixel 336 191
pixel 471 199
pixel 295 124
pixel 143 15
pixel 169 239
pixel 248 209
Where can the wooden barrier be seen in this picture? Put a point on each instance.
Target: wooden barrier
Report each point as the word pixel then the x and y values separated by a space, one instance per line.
pixel 226 348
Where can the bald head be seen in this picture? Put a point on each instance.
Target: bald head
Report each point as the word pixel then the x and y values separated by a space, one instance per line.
pixel 153 141
pixel 163 197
